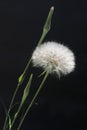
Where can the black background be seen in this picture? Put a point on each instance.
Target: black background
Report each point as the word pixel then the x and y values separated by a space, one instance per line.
pixel 62 104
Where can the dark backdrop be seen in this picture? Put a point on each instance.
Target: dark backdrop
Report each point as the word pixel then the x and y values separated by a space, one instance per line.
pixel 61 104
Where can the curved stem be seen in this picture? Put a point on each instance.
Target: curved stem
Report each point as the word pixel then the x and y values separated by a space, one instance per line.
pixel 35 96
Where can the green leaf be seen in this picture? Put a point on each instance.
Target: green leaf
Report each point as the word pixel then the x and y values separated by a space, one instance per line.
pixel 47 25
pixel 26 90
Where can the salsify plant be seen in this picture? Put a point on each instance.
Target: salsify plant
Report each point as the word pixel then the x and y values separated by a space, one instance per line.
pixel 54 58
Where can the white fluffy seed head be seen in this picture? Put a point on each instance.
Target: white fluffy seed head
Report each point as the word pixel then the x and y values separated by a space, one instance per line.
pixel 54 57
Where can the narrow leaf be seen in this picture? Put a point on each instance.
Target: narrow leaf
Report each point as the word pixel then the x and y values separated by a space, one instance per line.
pixel 47 25
pixel 26 90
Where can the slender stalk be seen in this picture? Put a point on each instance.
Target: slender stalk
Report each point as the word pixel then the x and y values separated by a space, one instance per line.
pixel 46 29
pixel 42 38
pixel 13 98
pixel 23 99
pixel 5 123
pixel 35 96
pixel 7 116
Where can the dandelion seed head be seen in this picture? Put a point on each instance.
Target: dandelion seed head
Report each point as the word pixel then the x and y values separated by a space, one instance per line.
pixel 54 57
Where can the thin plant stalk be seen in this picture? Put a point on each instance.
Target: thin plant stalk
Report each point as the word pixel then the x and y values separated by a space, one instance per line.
pixel 23 99
pixel 7 116
pixel 46 29
pixel 34 98
pixel 5 123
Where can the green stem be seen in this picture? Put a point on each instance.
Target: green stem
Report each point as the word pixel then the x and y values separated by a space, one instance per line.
pixel 5 123
pixel 13 97
pixel 35 96
pixel 46 29
pixel 23 99
pixel 42 38
pixel 15 118
pixel 7 116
